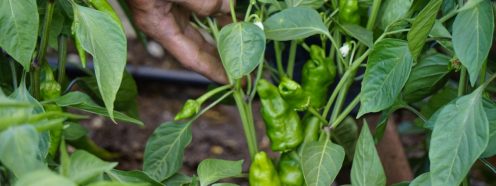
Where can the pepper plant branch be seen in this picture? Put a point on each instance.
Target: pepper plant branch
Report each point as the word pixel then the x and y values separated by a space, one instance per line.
pixel 35 76
pixel 212 92
pixel 208 107
pixel 463 82
pixel 278 53
pixel 233 11
pixel 291 59
pixel 62 55
pixel 416 112
pixel 345 112
pixel 248 124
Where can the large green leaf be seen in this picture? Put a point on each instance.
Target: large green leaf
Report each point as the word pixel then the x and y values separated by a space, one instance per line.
pixel 421 27
pixel 165 149
pixel 472 37
pixel 83 102
pixel 131 177
pixel 367 168
pixel 305 3
pixel 103 38
pixel 387 71
pixel 422 180
pixel 212 170
pixel 19 30
pixel 85 166
pixel 427 77
pixel 241 48
pixel 490 109
pixel 321 162
pixel 460 135
pixel 19 150
pixel 438 100
pixel 392 11
pixel 294 23
pixel 44 177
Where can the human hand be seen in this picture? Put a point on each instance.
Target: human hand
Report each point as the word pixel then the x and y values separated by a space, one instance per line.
pixel 167 21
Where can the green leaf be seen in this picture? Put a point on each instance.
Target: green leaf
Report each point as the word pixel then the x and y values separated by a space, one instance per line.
pixel 421 27
pixel 44 177
pixel 392 11
pixel 305 3
pixel 294 23
pixel 83 102
pixel 422 180
pixel 460 135
pixel 19 150
pixel 490 109
pixel 472 37
pixel 19 30
pixel 321 162
pixel 367 168
pixel 108 46
pixel 427 77
pixel 165 149
pixel 346 135
pixel 178 179
pixel 131 177
pixel 212 170
pixel 387 71
pixel 85 166
pixel 241 48
pixel 361 34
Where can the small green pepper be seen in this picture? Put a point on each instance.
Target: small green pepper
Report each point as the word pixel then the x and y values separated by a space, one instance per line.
pixel 293 94
pixel 289 169
pixel 283 123
pixel 263 172
pixel 50 89
pixel 349 12
pixel 190 109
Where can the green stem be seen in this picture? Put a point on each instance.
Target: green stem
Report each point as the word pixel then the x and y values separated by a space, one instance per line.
pixel 233 11
pixel 482 75
pixel 347 75
pixel 315 113
pixel 376 5
pixel 258 76
pixel 248 124
pixel 345 112
pixel 341 98
pixel 416 112
pixel 291 59
pixel 248 10
pixel 213 28
pixel 212 92
pixel 449 15
pixel 208 107
pixel 35 76
pixel 463 81
pixel 278 53
pixel 14 73
pixel 62 55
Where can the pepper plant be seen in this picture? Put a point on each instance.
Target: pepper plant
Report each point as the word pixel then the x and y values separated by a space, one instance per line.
pixel 428 57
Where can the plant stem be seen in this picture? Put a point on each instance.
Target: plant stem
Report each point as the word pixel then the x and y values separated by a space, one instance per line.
pixel 341 98
pixel 291 59
pixel 248 124
pixel 208 107
pixel 463 81
pixel 233 11
pixel 35 76
pixel 449 15
pixel 278 53
pixel 376 5
pixel 62 55
pixel 345 112
pixel 348 74
pixel 258 76
pixel 248 10
pixel 416 112
pixel 315 113
pixel 212 92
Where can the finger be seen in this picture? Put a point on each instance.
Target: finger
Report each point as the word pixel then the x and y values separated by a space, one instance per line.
pixel 205 7
pixel 188 46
